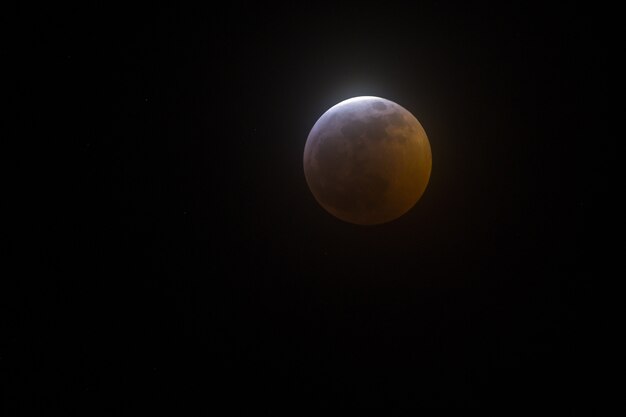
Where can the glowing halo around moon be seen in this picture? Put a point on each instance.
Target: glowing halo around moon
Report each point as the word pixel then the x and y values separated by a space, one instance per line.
pixel 367 160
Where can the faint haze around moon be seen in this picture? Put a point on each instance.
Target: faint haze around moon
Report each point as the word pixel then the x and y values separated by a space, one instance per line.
pixel 367 160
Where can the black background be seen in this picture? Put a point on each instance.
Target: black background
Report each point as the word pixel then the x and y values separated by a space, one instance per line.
pixel 179 261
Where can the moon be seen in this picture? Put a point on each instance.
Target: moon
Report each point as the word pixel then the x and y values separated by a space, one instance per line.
pixel 367 160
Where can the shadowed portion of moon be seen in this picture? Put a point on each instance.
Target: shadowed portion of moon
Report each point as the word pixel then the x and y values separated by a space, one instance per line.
pixel 367 160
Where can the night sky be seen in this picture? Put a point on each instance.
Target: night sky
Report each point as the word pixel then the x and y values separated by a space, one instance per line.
pixel 187 267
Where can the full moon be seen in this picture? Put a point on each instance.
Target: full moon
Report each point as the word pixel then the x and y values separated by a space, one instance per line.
pixel 367 160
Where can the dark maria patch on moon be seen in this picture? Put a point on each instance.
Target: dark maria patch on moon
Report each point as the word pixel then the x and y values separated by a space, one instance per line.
pixel 379 105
